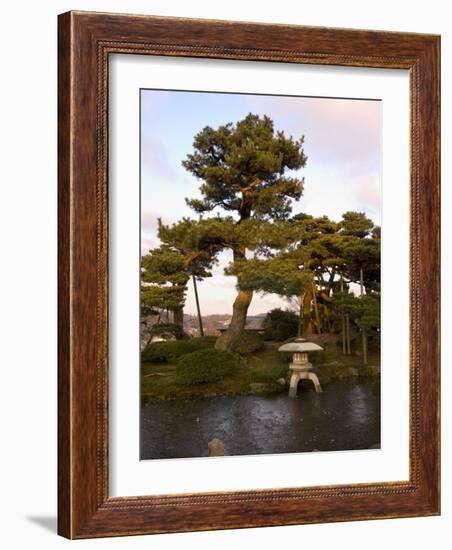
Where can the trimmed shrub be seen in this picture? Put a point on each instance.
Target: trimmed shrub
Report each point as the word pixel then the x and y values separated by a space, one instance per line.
pixel 169 352
pixel 168 330
pixel 203 366
pixel 280 325
pixel 247 342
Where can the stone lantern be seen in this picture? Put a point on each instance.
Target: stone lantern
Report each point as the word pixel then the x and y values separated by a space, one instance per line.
pixel 300 366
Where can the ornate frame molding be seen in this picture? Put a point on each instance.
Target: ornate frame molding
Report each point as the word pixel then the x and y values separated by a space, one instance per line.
pixel 85 42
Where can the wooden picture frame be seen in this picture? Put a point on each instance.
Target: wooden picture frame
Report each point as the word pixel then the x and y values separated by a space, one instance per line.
pixel 86 40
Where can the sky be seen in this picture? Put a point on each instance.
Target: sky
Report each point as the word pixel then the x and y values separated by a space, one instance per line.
pixel 343 170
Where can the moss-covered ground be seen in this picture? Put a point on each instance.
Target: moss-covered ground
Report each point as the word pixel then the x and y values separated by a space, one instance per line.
pixel 262 372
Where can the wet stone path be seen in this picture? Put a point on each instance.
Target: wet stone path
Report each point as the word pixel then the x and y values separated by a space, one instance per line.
pixel 343 417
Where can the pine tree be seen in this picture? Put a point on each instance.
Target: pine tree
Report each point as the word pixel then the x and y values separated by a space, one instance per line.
pixel 243 172
pixel 361 253
pixel 197 243
pixel 163 280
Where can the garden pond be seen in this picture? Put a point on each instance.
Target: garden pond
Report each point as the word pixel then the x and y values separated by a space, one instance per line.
pixel 345 416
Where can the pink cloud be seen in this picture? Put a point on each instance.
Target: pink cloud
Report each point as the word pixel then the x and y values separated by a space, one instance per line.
pixel 345 131
pixel 369 191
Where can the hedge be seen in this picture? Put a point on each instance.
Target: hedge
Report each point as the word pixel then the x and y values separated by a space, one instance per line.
pixel 199 367
pixel 169 352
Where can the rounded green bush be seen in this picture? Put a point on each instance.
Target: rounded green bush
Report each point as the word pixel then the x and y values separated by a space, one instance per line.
pixel 169 352
pixel 203 366
pixel 247 342
pixel 280 325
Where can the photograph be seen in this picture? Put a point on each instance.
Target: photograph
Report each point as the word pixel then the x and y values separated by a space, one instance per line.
pixel 259 274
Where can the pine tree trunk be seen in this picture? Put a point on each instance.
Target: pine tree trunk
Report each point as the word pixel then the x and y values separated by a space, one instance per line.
pixel 198 309
pixel 327 319
pixel 300 316
pixel 343 333
pixel 324 296
pixel 238 320
pixel 239 310
pixel 307 325
pixel 363 330
pixel 344 349
pixel 331 281
pixel 316 309
pixel 178 317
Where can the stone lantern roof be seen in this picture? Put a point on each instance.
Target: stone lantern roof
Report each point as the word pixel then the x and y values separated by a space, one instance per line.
pixel 300 345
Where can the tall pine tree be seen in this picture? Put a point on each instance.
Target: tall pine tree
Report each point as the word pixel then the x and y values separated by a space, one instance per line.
pixel 243 168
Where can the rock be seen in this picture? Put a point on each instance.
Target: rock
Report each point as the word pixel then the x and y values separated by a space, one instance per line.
pixel 281 381
pixel 215 447
pixel 352 371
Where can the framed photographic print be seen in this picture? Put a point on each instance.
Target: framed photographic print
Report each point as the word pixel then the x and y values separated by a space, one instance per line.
pixel 248 275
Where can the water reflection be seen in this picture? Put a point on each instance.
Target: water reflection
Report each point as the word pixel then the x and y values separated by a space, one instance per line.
pixel 343 417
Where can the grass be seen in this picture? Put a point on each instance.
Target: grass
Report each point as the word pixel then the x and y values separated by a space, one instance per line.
pixel 257 373
pixel 334 366
pixel 263 367
pixel 331 356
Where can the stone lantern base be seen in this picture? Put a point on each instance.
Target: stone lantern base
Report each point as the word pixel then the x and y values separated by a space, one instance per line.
pixel 302 372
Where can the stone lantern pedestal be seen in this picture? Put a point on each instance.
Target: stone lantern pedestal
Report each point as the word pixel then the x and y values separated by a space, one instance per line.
pixel 300 367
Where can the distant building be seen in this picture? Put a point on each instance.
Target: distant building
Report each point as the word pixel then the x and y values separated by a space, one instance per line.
pixel 253 323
